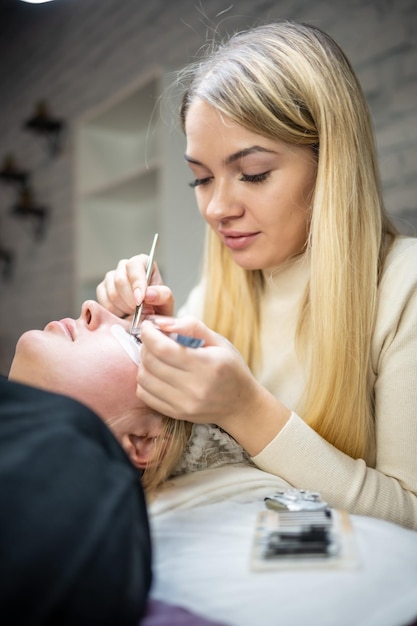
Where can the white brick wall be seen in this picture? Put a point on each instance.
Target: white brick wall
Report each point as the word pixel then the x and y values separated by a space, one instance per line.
pixel 77 53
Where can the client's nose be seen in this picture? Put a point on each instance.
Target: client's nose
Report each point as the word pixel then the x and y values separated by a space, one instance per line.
pixel 94 315
pixel 91 314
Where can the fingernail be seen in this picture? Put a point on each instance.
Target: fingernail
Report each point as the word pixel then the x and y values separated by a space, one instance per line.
pixel 137 294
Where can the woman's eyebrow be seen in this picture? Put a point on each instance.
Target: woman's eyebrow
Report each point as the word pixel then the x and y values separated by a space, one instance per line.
pixel 235 156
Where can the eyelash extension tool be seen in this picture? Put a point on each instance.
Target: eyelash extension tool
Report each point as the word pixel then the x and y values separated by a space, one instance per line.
pixel 134 327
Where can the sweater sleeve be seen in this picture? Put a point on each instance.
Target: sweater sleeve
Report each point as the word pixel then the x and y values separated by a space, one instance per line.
pixel 388 490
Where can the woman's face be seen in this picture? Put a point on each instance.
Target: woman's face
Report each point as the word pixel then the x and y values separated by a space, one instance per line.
pixel 254 192
pixel 83 359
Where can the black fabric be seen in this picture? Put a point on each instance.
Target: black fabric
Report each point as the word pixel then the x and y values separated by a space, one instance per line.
pixel 74 532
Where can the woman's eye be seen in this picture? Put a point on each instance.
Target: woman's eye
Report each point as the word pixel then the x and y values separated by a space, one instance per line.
pixel 254 178
pixel 136 337
pixel 200 181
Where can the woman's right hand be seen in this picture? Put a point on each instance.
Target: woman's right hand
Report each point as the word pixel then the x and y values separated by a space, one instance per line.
pixel 125 287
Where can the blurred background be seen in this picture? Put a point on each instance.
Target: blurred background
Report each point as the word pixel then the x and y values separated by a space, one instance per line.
pixel 91 154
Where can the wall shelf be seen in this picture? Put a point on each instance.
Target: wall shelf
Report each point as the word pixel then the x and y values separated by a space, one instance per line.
pixel 131 182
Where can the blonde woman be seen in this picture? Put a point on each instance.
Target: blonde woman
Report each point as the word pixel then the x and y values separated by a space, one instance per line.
pixel 304 274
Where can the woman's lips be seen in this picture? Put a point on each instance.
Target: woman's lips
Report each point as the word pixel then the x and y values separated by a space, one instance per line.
pixel 64 326
pixel 239 241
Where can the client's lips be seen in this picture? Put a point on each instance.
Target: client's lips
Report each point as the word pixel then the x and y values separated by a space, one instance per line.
pixel 68 326
pixel 64 326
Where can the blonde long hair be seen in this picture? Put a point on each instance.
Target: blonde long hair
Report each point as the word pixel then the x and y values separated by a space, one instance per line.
pixel 291 82
pixel 167 452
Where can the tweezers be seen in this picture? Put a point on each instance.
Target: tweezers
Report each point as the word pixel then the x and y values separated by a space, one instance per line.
pixel 134 327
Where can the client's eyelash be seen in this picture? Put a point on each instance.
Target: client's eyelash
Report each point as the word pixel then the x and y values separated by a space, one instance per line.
pixel 184 340
pixel 136 337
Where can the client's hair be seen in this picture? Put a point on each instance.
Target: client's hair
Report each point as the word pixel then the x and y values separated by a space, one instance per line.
pixel 168 449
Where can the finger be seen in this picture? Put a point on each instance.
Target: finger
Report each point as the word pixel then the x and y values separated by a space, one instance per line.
pixel 157 402
pixel 103 299
pixel 136 276
pixel 155 393
pixel 191 327
pixel 157 349
pixel 167 393
pixel 108 296
pixel 159 299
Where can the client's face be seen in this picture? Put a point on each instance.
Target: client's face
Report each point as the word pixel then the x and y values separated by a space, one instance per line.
pixel 85 359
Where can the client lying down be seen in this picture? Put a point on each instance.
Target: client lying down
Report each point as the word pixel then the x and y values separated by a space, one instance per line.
pixel 93 360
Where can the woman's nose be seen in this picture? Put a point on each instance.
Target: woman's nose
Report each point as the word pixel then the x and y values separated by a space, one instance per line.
pixel 223 204
pixel 92 314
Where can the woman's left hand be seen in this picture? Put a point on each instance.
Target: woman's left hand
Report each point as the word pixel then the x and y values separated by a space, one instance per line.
pixel 210 385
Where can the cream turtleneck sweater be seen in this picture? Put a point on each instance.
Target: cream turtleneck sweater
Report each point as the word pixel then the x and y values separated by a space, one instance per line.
pixel 298 454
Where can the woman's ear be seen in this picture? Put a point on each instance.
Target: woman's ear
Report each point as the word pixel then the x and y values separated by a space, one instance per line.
pixel 139 449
